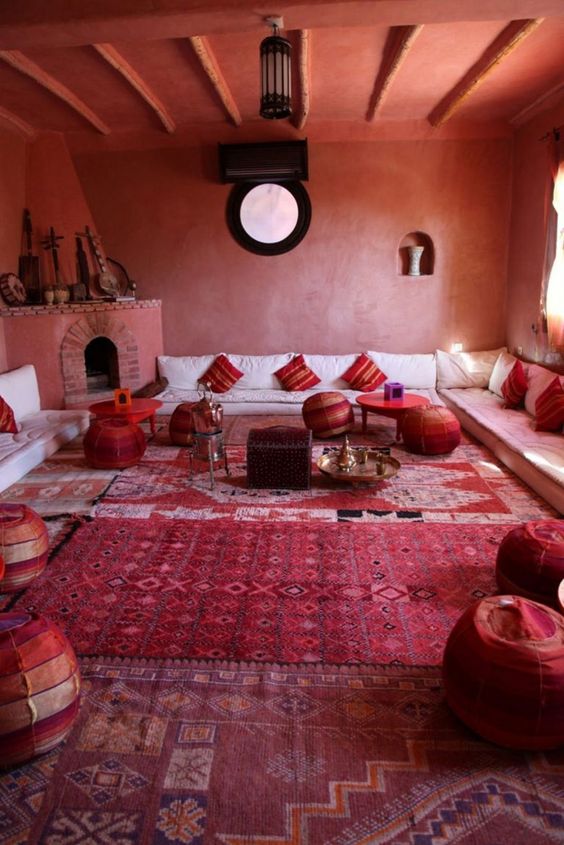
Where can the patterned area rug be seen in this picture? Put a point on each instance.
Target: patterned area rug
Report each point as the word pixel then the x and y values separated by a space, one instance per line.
pixel 191 754
pixel 290 592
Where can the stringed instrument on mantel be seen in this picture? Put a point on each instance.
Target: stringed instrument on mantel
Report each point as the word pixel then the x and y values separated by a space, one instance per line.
pixel 106 281
pixel 50 242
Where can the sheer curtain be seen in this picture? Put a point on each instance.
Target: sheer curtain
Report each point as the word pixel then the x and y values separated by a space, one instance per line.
pixel 555 287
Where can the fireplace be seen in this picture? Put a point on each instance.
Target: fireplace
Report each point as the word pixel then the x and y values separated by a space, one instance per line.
pixel 101 361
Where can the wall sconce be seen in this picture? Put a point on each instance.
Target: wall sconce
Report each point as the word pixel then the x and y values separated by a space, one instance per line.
pixel 275 74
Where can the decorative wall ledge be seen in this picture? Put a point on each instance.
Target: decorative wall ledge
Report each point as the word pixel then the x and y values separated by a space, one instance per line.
pixel 86 307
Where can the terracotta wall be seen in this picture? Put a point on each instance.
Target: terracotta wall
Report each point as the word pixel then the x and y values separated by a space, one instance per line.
pixel 12 202
pixel 162 213
pixel 527 235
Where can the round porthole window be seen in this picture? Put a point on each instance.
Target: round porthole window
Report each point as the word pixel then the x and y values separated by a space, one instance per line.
pixel 269 218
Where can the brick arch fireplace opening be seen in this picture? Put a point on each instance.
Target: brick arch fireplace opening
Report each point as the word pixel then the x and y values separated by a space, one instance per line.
pixel 98 354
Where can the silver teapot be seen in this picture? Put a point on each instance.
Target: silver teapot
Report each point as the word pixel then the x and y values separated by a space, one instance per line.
pixel 207 415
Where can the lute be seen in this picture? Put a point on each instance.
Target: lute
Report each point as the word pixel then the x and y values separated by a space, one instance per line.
pixel 107 282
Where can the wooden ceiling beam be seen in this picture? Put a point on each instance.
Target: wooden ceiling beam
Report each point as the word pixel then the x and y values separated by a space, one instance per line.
pixel 117 61
pixel 212 70
pixel 544 101
pixel 20 62
pixel 304 78
pixel 398 45
pixel 18 123
pixel 512 36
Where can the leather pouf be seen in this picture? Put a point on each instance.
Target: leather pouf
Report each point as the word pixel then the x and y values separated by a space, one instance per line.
pixel 114 444
pixel 503 672
pixel 24 546
pixel 530 561
pixel 39 686
pixel 430 430
pixel 328 414
pixel 181 426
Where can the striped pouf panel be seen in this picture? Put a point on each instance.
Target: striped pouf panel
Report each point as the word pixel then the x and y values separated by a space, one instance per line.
pixel 39 686
pixel 24 546
pixel 430 430
pixel 181 425
pixel 113 444
pixel 530 561
pixel 328 414
pixel 503 672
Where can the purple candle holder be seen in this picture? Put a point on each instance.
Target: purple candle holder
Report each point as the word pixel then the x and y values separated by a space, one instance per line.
pixel 393 390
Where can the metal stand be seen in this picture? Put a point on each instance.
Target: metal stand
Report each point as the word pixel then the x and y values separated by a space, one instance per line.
pixel 210 449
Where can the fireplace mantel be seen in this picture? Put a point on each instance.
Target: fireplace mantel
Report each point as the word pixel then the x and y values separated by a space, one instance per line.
pixel 86 307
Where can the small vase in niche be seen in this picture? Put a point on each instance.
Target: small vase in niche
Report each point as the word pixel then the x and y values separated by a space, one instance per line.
pixel 48 296
pixel 415 253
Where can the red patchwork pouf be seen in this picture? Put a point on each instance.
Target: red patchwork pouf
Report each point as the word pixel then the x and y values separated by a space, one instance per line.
pixel 430 430
pixel 328 414
pixel 530 561
pixel 503 672
pixel 39 686
pixel 113 444
pixel 24 546
pixel 181 425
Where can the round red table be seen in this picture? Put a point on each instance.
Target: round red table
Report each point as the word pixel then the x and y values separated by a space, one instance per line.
pixel 139 410
pixel 394 408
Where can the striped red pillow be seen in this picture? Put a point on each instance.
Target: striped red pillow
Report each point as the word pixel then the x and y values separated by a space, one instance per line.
pixel 296 375
pixel 549 408
pixel 222 374
pixel 7 419
pixel 364 374
pixel 515 386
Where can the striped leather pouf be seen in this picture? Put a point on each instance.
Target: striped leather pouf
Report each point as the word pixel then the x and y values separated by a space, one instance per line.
pixel 328 414
pixel 530 561
pixel 39 686
pixel 430 430
pixel 503 672
pixel 181 425
pixel 113 444
pixel 24 546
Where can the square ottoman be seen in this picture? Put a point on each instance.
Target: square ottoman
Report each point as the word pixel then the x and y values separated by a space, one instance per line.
pixel 279 457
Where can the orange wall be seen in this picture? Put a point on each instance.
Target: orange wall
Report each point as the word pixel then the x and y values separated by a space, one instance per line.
pixel 527 234
pixel 162 213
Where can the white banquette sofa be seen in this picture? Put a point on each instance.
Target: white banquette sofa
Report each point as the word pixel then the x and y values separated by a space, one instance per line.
pixel 40 433
pixel 468 383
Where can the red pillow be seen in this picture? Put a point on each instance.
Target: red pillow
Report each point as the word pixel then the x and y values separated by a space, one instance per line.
pixel 297 375
pixel 7 420
pixel 549 408
pixel 222 374
pixel 515 386
pixel 364 374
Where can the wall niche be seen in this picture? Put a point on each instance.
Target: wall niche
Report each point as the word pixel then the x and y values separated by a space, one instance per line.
pixel 410 264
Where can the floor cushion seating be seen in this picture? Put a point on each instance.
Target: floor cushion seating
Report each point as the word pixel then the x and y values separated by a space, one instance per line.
pixel 328 414
pixel 530 561
pixel 24 546
pixel 113 444
pixel 39 686
pixel 430 430
pixel 503 672
pixel 279 458
pixel 181 425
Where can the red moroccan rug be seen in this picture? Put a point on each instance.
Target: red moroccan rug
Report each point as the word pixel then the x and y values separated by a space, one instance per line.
pixel 285 592
pixel 193 754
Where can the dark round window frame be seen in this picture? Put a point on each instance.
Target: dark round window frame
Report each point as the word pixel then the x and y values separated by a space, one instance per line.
pixel 234 202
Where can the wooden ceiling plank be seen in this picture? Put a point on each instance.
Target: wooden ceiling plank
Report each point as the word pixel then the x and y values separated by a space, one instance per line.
pixel 20 62
pixel 212 70
pixel 304 78
pixel 399 43
pixel 18 123
pixel 117 61
pixel 512 36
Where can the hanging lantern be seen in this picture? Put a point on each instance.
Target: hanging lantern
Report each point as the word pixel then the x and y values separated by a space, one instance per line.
pixel 276 77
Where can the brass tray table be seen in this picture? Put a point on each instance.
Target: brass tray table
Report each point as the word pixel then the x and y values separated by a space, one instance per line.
pixel 376 467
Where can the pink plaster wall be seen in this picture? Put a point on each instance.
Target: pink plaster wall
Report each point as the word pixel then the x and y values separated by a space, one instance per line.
pixel 12 202
pixel 162 213
pixel 527 233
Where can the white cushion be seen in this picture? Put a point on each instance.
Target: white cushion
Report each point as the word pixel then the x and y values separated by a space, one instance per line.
pixel 184 371
pixel 20 390
pixel 330 368
pixel 501 370
pixel 466 369
pixel 538 379
pixel 410 370
pixel 259 370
